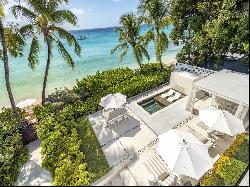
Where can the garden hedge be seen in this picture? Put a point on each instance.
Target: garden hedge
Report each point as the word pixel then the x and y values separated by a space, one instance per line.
pixel 13 153
pixel 70 149
pixel 232 164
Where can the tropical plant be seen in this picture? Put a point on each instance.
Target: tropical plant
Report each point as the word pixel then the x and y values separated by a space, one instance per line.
pixel 209 30
pixel 155 13
pixel 45 19
pixel 13 154
pixel 12 43
pixel 129 36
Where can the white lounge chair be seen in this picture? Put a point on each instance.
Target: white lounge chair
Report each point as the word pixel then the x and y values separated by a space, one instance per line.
pixel 175 97
pixel 167 94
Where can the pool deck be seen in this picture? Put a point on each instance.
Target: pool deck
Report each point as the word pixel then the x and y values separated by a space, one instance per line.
pixel 164 119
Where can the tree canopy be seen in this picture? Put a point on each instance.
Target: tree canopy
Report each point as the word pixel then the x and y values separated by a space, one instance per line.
pixel 209 30
pixel 155 13
pixel 129 36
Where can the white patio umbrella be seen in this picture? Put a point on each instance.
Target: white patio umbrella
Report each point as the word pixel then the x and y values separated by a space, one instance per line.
pixel 26 102
pixel 222 121
pixel 113 101
pixel 184 154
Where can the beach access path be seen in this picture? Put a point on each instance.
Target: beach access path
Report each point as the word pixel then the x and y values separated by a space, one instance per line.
pixel 32 173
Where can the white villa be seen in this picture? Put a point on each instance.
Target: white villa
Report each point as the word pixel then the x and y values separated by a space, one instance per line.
pixel 130 136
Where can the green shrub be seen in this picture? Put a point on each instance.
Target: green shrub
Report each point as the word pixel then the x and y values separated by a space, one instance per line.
pixel 67 149
pixel 232 164
pixel 71 173
pixel 13 153
pixel 112 81
pixel 65 96
pixel 93 84
pixel 239 150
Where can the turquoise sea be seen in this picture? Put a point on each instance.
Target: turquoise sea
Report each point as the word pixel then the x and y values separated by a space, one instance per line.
pixel 96 56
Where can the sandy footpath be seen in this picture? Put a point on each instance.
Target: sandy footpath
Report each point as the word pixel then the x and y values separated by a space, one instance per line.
pixel 32 173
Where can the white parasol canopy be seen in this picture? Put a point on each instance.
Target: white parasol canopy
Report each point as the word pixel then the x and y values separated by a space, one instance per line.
pixel 222 121
pixel 26 102
pixel 184 154
pixel 113 101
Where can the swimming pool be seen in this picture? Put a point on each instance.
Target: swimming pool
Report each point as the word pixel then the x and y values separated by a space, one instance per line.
pixel 151 105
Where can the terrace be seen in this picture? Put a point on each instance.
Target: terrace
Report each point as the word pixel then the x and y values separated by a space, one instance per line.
pixel 130 146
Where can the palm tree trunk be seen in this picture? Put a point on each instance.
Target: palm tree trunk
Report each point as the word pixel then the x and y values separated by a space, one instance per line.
pixel 137 58
pixel 46 72
pixel 158 56
pixel 6 70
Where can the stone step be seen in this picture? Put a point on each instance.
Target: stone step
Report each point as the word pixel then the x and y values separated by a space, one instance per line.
pixel 156 165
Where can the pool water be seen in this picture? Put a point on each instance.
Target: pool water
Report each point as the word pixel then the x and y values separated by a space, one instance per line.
pixel 151 105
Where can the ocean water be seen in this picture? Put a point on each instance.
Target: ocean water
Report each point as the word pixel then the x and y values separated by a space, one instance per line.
pixel 95 56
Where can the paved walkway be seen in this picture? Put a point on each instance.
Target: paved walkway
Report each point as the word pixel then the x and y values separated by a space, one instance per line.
pixel 32 173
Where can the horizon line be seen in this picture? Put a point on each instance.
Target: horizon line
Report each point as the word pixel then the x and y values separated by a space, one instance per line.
pixel 93 28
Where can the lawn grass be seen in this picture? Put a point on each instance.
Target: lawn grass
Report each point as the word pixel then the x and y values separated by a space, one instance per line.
pixel 97 163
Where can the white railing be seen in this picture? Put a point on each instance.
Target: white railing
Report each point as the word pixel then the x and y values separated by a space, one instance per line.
pixel 193 69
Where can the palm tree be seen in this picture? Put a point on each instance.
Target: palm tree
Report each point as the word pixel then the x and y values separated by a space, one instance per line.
pixel 129 36
pixel 46 19
pixel 155 14
pixel 13 43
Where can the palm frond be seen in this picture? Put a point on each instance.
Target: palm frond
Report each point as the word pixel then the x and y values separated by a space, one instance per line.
pixel 147 37
pixel 14 41
pixel 69 38
pixel 39 6
pixel 34 51
pixel 54 4
pixel 161 43
pixel 124 52
pixel 23 11
pixel 65 54
pixel 145 52
pixel 26 30
pixel 61 16
pixel 119 46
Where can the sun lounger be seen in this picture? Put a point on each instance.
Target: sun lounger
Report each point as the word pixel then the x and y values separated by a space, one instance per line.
pixel 175 97
pixel 167 94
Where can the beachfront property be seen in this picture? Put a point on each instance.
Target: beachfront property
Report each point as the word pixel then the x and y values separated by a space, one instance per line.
pixel 173 134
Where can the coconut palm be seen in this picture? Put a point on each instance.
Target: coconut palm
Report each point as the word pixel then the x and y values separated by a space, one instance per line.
pixel 45 19
pixel 12 43
pixel 155 14
pixel 129 36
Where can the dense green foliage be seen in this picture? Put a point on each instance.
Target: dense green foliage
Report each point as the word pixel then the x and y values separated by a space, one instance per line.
pixel 129 36
pixel 71 151
pixel 232 164
pixel 13 154
pixel 62 149
pixel 210 29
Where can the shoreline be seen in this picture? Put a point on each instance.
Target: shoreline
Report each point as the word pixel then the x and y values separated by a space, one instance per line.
pixel 39 100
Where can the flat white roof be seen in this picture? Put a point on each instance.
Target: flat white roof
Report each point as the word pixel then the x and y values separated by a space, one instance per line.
pixel 186 74
pixel 230 85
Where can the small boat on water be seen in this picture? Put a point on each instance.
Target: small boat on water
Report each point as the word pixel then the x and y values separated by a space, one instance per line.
pixel 82 37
